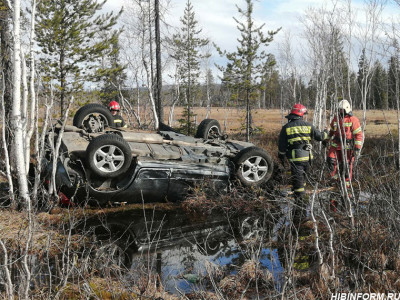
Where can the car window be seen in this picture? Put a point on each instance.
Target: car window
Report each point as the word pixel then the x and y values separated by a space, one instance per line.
pixel 153 174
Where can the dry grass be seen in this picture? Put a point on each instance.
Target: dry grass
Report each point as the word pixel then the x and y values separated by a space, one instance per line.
pixel 14 232
pixel 270 120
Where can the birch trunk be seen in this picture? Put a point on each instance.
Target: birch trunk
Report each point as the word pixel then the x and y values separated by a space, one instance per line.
pixel 33 111
pixel 16 117
pixel 5 146
pixel 176 98
pixel 57 148
pixel 9 285
pixel 24 113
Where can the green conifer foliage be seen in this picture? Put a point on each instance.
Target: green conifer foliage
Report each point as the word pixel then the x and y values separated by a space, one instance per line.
pixel 72 36
pixel 393 80
pixel 187 45
pixel 379 99
pixel 245 67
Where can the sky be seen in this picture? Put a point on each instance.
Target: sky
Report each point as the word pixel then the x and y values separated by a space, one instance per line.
pixel 215 18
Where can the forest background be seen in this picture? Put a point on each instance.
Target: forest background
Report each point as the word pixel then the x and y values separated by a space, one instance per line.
pixel 59 55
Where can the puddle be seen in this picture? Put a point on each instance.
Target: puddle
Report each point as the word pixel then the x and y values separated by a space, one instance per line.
pixel 184 269
pixel 188 253
pixel 183 249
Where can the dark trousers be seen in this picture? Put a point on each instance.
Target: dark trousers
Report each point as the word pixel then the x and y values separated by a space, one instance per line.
pixel 299 170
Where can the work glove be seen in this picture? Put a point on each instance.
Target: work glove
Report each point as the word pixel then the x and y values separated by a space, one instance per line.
pixel 325 142
pixel 282 158
pixel 356 154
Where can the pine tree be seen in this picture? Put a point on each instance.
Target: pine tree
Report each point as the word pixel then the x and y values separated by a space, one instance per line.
pixel 187 45
pixel 68 32
pixel 245 66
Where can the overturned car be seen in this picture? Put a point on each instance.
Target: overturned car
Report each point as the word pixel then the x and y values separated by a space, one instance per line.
pixel 107 165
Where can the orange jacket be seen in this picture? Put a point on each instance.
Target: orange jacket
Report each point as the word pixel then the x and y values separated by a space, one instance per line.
pixel 350 129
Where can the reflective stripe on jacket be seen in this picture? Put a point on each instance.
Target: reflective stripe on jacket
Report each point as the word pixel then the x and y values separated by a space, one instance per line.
pixel 295 136
pixel 347 131
pixel 118 121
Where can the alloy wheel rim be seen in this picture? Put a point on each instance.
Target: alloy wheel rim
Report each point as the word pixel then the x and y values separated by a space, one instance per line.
pixel 254 168
pixel 213 132
pixel 109 158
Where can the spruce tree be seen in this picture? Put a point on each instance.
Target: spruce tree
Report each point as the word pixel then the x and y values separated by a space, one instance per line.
pixel 246 64
pixel 393 80
pixel 72 36
pixel 187 44
pixel 379 88
pixel 270 82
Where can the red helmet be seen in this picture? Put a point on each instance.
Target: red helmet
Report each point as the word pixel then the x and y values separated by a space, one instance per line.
pixel 113 105
pixel 298 109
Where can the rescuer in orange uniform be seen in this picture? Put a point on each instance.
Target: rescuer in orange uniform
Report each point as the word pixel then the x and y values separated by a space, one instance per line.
pixel 347 140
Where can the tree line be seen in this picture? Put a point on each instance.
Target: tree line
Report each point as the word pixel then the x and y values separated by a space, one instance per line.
pixel 53 52
pixel 70 46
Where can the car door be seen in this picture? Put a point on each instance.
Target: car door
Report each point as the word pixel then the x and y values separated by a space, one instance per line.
pixel 149 185
pixel 187 177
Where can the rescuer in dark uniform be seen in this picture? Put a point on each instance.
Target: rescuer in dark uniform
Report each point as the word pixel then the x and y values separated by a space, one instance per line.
pixel 295 143
pixel 113 106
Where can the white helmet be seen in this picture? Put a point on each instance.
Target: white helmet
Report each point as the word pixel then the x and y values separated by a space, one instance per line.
pixel 345 105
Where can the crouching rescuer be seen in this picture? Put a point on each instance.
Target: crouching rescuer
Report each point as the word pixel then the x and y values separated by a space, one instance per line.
pixel 114 108
pixel 295 144
pixel 346 142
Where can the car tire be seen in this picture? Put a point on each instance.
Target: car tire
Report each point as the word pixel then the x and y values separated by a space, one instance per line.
pixel 254 166
pixel 109 155
pixel 93 117
pixel 208 129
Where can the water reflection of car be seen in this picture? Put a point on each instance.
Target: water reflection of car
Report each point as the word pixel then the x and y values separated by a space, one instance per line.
pixel 152 228
pixel 105 164
pixel 177 242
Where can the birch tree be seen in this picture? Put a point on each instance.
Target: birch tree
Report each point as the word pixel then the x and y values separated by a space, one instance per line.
pixel 367 33
pixel 322 36
pixel 138 51
pixel 288 68
pixel 393 48
pixel 16 116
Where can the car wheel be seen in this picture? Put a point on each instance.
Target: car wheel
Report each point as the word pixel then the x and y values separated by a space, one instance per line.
pixel 109 155
pixel 254 166
pixel 208 129
pixel 93 117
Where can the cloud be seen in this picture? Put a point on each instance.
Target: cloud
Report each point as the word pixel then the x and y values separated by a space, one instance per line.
pixel 215 18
